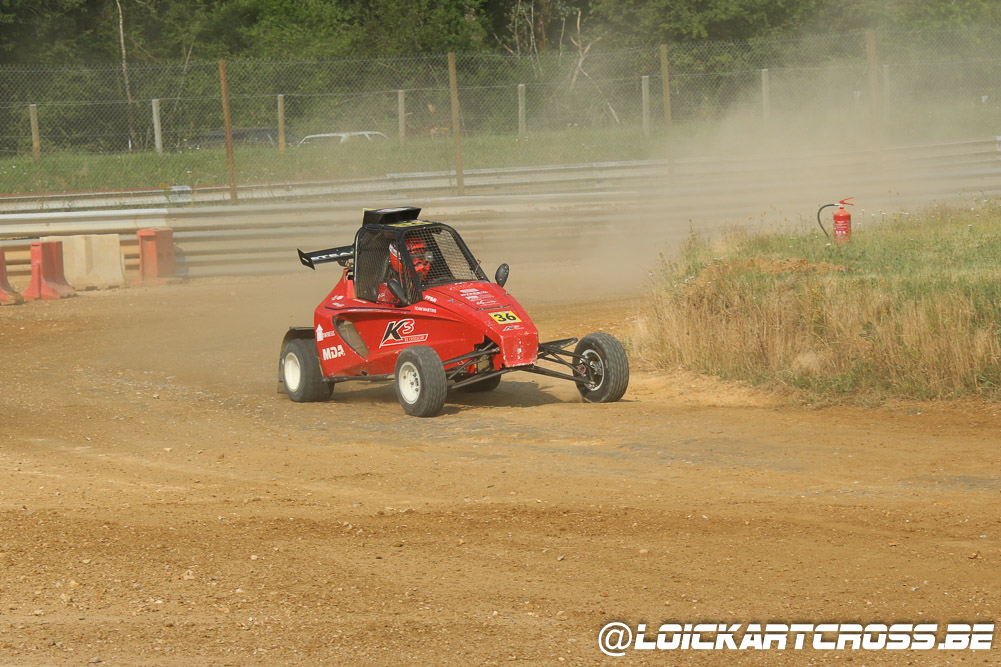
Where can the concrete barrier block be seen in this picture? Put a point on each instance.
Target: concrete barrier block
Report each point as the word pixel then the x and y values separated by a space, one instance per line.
pixel 92 260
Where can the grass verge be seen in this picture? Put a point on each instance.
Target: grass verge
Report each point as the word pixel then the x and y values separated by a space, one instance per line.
pixel 74 172
pixel 911 308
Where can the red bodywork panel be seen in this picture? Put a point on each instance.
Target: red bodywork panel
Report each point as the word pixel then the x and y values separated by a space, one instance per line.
pixel 451 319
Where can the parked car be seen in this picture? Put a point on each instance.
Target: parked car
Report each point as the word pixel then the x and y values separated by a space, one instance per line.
pixel 259 136
pixel 342 137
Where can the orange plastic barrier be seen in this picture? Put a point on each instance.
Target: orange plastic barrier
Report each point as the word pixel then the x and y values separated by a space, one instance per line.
pixel 53 252
pixel 156 256
pixel 8 296
pixel 47 279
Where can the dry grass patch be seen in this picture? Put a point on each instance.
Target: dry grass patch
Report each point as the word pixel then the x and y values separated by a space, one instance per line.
pixel 911 308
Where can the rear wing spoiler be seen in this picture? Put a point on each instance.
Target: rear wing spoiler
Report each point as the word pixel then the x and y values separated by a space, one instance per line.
pixel 339 254
pixel 379 216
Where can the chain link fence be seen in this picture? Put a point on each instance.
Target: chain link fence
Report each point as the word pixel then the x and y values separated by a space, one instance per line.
pixel 86 128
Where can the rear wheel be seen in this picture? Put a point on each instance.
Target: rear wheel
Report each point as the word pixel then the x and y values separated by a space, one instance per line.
pixel 300 372
pixel 608 366
pixel 489 384
pixel 421 384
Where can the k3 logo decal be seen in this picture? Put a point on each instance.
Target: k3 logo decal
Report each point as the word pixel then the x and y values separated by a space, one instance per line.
pixel 401 332
pixel 505 317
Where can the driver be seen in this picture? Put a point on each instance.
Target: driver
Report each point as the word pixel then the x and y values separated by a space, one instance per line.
pixel 421 258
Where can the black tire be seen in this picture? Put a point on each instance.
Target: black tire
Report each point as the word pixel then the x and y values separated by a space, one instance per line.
pixel 299 366
pixel 608 360
pixel 420 381
pixel 489 384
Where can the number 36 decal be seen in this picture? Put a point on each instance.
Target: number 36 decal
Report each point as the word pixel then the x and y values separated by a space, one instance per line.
pixel 504 317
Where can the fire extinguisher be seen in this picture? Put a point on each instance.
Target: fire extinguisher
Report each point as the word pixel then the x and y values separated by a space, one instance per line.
pixel 842 221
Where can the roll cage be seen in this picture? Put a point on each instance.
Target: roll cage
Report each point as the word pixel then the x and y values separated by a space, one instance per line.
pixel 451 260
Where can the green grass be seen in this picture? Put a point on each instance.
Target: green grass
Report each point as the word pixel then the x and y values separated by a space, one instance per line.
pixel 740 132
pixel 910 308
pixel 67 172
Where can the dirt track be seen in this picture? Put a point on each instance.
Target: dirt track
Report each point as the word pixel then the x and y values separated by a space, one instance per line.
pixel 160 503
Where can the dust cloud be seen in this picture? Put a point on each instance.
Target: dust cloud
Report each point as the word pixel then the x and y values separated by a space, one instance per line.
pixel 745 172
pixel 597 243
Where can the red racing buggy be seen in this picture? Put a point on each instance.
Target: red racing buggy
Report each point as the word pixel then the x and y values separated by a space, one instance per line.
pixel 414 306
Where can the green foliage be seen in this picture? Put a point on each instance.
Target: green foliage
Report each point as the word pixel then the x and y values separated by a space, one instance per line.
pixel 410 27
pixel 844 15
pixel 531 27
pixel 58 31
pixel 86 31
pixel 646 21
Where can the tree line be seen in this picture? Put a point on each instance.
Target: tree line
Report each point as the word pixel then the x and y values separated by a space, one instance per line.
pixel 34 32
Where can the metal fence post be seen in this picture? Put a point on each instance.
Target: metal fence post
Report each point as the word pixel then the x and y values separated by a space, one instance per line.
pixel 281 123
pixel 157 133
pixel 665 88
pixel 645 89
pixel 36 142
pixel 453 85
pixel 401 114
pixel 766 95
pixel 228 127
pixel 522 133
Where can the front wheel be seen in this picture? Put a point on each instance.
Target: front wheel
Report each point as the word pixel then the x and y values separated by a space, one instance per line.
pixel 607 365
pixel 421 384
pixel 300 372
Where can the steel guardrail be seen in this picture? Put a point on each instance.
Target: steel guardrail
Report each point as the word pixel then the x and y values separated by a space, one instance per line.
pixel 258 234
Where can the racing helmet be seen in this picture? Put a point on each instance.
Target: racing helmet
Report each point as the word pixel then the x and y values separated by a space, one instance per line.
pixel 419 255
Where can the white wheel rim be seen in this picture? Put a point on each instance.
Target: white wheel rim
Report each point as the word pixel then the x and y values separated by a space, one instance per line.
pixel 292 371
pixel 409 381
pixel 597 367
